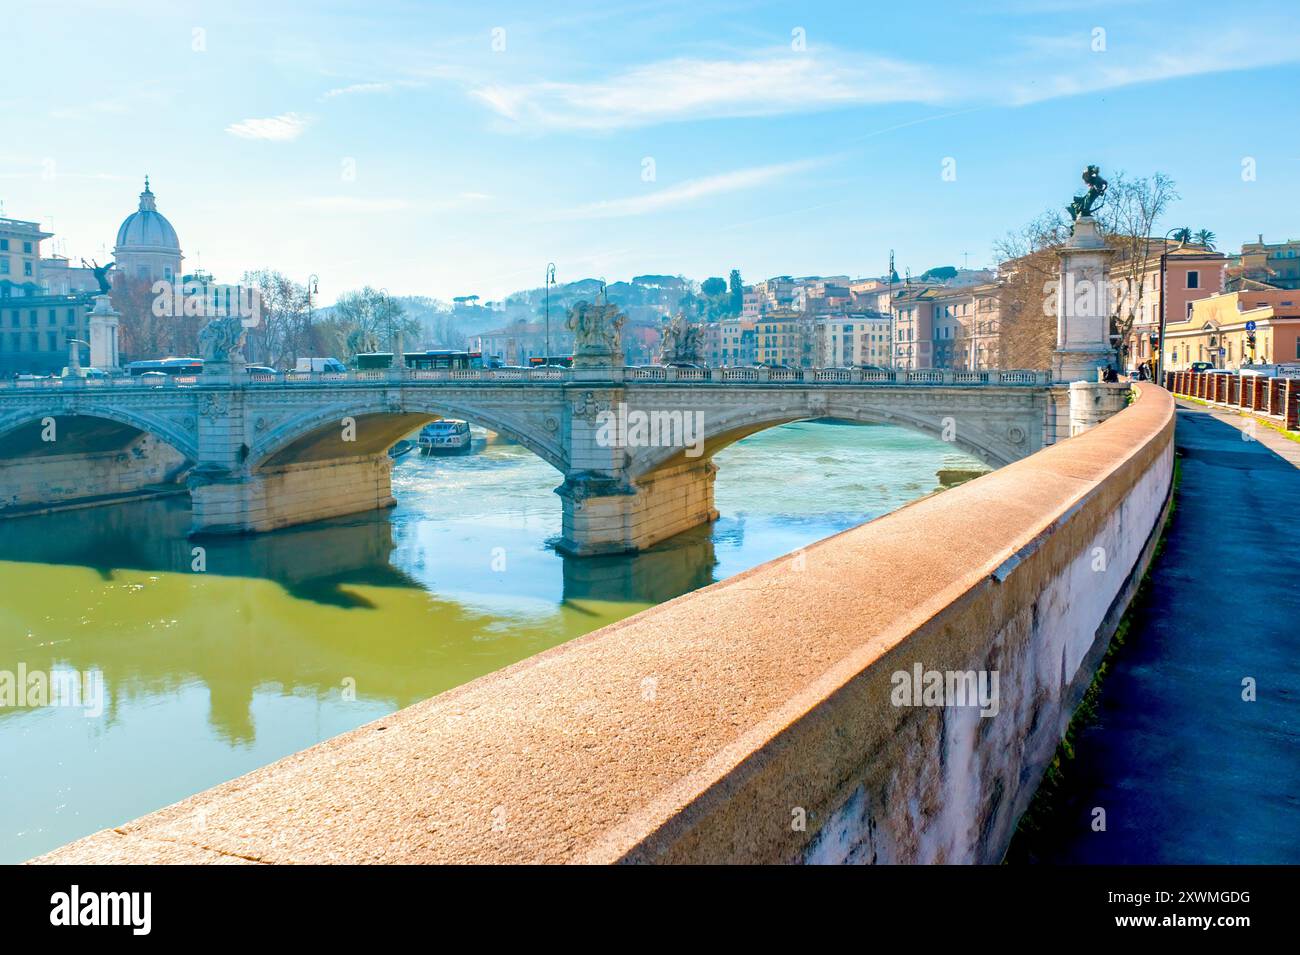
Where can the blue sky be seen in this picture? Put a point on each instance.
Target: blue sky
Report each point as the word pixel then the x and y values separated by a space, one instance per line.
pixel 448 149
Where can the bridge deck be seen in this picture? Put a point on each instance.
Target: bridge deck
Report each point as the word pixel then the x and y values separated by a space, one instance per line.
pixel 550 376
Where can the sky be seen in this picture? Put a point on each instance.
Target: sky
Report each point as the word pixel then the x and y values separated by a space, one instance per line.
pixel 455 148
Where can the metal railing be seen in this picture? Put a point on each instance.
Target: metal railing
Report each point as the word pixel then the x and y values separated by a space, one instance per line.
pixel 641 374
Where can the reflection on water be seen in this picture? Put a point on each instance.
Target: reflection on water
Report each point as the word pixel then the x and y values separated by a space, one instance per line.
pixel 290 638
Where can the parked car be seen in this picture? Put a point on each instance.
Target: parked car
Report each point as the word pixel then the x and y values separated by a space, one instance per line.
pixel 1202 366
pixel 260 370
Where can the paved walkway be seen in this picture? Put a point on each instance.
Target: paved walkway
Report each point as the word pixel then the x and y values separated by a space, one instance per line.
pixel 1186 770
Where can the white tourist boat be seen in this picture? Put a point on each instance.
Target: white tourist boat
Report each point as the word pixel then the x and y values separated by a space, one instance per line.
pixel 445 436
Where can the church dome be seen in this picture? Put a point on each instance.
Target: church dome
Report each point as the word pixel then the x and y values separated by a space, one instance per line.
pixel 147 228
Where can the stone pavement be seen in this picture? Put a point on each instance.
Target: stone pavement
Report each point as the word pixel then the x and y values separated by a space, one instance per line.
pixel 1187 771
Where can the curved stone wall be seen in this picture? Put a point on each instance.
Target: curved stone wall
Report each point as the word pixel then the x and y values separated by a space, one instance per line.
pixel 761 719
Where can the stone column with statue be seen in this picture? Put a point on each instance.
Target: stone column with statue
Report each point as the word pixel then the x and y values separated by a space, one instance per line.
pixel 104 336
pixel 1083 296
pixel 1083 316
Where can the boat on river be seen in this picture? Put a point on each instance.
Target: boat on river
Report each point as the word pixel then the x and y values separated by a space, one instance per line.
pixel 445 436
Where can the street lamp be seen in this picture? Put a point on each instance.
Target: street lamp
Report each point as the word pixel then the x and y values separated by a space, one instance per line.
pixel 313 287
pixel 550 280
pixel 1164 258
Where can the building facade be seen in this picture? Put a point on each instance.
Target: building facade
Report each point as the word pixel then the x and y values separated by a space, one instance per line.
pixel 1215 330
pixel 1276 263
pixel 1191 273
pixel 43 302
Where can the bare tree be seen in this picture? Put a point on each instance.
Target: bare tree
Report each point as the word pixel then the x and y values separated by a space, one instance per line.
pixel 377 316
pixel 282 332
pixel 1133 207
pixel 1030 265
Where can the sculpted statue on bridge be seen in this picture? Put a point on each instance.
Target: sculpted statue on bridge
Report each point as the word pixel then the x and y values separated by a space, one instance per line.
pixel 1087 204
pixel 222 339
pixel 680 342
pixel 597 329
pixel 101 274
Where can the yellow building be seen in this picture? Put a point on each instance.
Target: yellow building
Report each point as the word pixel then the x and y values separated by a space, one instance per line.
pixel 1215 330
pixel 782 337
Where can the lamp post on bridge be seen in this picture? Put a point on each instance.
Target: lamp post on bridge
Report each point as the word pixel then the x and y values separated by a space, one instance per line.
pixel 1164 259
pixel 550 280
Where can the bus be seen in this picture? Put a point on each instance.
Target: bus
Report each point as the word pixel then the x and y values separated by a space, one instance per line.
pixel 175 367
pixel 555 361
pixel 430 360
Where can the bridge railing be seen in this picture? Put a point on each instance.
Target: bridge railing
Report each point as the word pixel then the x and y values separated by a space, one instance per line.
pixel 638 373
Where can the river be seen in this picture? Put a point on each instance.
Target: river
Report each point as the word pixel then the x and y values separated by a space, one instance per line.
pixel 287 639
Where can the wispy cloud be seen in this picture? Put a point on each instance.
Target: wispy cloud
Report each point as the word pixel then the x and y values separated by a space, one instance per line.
pixel 690 191
pixel 686 89
pixel 776 82
pixel 283 128
pixel 1068 66
pixel 388 86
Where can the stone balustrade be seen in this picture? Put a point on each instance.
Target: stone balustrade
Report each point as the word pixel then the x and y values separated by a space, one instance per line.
pixel 644 374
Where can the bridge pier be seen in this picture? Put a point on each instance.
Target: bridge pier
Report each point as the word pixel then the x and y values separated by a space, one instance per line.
pixel 236 502
pixel 604 515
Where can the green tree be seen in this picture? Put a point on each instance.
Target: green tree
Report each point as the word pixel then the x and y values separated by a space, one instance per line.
pixel 1205 238
pixel 713 287
pixel 737 288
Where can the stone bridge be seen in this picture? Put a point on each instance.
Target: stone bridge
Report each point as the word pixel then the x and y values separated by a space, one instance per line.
pixel 634 446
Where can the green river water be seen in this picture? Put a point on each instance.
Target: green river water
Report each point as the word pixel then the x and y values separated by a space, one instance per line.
pixel 290 638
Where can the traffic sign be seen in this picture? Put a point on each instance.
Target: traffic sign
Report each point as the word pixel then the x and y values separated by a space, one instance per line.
pixel 1250 326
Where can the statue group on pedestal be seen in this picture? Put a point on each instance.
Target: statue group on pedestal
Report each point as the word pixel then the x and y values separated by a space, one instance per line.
pixel 222 339
pixel 680 342
pixel 597 329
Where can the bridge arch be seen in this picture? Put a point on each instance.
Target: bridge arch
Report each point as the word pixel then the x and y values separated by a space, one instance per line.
pixel 382 423
pixel 181 439
pixel 721 430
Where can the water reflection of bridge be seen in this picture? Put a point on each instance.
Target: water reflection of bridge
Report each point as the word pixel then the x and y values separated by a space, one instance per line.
pixel 352 614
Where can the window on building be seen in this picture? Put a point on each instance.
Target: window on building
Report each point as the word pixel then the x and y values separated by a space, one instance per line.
pixel 53 339
pixel 4 245
pixel 1193 279
pixel 4 266
pixel 27 248
pixel 27 268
